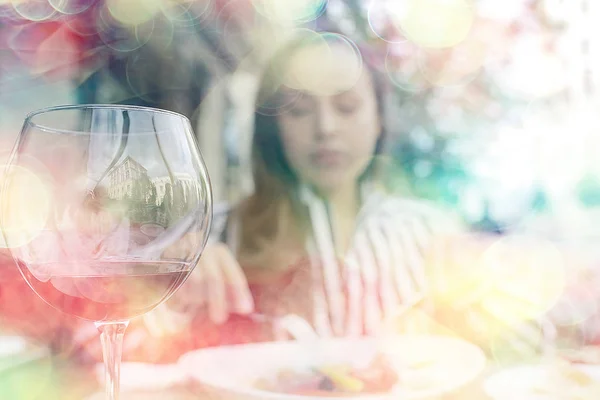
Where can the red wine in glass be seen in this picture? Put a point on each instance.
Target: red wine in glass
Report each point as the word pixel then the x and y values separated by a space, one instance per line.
pixel 116 291
pixel 120 216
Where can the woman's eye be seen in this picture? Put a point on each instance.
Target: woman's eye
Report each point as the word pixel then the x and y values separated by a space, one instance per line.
pixel 347 108
pixel 300 111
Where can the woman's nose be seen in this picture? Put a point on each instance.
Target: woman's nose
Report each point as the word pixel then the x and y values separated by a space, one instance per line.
pixel 327 122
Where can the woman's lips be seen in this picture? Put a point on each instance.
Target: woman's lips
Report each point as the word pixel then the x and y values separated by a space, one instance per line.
pixel 328 158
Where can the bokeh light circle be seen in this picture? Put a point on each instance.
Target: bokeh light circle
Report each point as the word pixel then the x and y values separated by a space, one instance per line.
pixel 133 12
pixel 294 69
pixel 324 64
pixel 70 6
pixel 273 102
pixel 528 275
pixel 436 23
pixel 273 99
pixel 383 17
pixel 450 67
pixel 163 33
pixel 176 8
pixel 119 37
pixel 264 39
pixel 187 12
pixel 510 344
pixel 287 12
pixel 33 10
pixel 403 69
pixel 26 202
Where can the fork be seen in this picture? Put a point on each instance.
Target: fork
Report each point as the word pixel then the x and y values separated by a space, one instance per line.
pixel 300 329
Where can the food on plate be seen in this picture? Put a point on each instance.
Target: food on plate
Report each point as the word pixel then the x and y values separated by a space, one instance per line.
pixel 564 381
pixel 334 380
pixel 583 355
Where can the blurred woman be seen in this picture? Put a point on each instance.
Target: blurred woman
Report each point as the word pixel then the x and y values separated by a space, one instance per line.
pixel 322 236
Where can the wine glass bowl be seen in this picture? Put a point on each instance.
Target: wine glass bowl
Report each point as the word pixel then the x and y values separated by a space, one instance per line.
pixel 126 208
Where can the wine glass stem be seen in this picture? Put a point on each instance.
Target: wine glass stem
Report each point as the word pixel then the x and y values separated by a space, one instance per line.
pixel 111 336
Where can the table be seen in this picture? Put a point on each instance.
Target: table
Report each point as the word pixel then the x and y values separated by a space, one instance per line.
pixel 59 379
pixel 473 391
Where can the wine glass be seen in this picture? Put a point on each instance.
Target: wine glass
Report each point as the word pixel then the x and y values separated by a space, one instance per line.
pixel 122 212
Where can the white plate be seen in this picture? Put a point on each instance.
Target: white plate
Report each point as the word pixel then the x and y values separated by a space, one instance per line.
pixel 230 372
pixel 520 382
pixel 11 346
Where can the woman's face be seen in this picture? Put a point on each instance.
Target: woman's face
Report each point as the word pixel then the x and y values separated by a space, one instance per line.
pixel 329 139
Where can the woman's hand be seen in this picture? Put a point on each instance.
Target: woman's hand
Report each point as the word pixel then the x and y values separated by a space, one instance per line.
pixel 217 284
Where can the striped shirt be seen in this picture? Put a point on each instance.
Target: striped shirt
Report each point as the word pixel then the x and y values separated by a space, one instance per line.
pixel 384 268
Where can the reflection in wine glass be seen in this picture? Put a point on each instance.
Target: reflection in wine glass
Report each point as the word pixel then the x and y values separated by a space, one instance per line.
pixel 127 189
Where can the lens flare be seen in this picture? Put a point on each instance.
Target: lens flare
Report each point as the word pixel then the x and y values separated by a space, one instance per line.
pixel 26 206
pixel 415 322
pixel 133 12
pixel 300 68
pixel 456 66
pixel 176 8
pixel 403 69
pixel 119 37
pixel 33 10
pixel 327 64
pixel 436 23
pixel 493 290
pixel 266 38
pixel 294 12
pixel 528 276
pixel 321 65
pixel 510 344
pixel 383 17
pixel 272 102
pixel 70 6
pixel 187 12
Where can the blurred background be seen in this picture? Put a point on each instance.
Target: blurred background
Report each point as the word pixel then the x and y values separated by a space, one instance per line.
pixel 495 109
pixel 494 112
